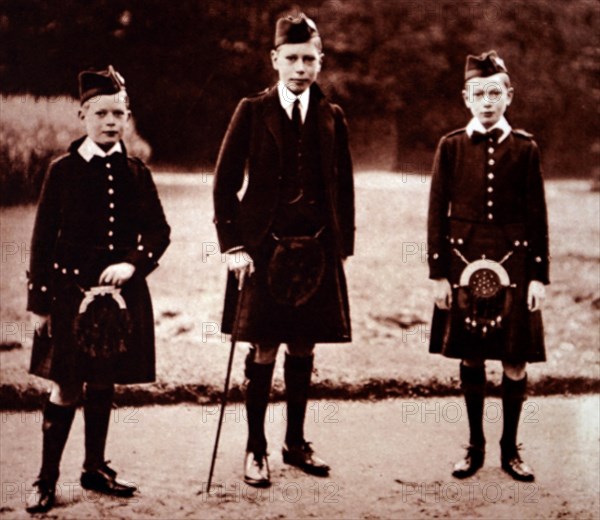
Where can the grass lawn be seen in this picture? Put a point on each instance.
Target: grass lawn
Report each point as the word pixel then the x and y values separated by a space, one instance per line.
pixel 388 288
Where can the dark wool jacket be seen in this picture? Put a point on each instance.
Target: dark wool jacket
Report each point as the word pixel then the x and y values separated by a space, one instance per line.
pixel 254 141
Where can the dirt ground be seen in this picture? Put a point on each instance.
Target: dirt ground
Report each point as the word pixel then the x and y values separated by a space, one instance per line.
pixel 390 459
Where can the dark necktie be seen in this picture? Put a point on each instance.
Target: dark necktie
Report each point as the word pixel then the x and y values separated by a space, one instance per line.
pixel 494 134
pixel 296 119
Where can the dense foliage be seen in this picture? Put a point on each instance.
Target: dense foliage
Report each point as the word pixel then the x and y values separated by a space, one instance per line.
pixel 35 131
pixel 395 65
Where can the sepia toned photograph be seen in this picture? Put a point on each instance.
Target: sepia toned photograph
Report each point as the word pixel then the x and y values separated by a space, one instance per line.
pixel 332 259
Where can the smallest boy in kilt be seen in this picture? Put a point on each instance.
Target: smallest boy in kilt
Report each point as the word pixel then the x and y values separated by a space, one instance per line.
pixel 488 255
pixel 99 231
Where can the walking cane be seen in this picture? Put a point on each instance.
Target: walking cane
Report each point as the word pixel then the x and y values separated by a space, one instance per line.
pixel 225 390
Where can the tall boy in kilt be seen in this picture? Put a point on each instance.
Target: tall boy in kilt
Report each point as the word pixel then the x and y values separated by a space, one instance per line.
pixel 99 231
pixel 488 255
pixel 287 237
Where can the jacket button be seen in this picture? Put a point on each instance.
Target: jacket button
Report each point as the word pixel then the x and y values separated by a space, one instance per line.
pixel 490 203
pixel 490 176
pixel 111 247
pixel 110 191
pixel 110 178
pixel 108 165
pixel 460 241
pixel 490 216
pixel 491 162
pixel 490 150
pixel 490 189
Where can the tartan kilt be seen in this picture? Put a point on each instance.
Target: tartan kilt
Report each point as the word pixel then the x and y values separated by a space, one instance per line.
pixel 521 337
pixel 59 358
pixel 324 318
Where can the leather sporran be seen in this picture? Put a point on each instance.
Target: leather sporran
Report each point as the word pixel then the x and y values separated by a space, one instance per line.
pixel 103 325
pixel 296 270
pixel 484 297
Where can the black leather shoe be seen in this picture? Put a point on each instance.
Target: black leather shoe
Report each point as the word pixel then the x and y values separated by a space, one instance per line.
pixel 472 462
pixel 256 470
pixel 303 456
pixel 104 480
pixel 43 499
pixel 516 468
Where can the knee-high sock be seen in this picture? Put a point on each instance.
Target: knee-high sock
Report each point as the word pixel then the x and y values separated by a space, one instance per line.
pixel 257 399
pixel 297 373
pixel 56 426
pixel 513 396
pixel 473 385
pixel 96 412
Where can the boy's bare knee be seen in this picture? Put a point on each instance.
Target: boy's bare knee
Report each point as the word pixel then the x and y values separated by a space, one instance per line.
pixel 473 363
pixel 266 353
pixel 65 395
pixel 300 349
pixel 515 371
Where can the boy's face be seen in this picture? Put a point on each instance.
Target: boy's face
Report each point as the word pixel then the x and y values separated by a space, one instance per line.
pixel 105 119
pixel 298 65
pixel 488 98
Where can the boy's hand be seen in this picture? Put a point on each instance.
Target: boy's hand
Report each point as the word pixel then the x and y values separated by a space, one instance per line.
pixel 536 293
pixel 443 294
pixel 241 264
pixel 39 321
pixel 116 274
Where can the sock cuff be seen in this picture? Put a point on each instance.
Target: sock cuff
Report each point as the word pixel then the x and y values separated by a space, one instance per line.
pixel 55 411
pixel 472 375
pixel 99 395
pixel 512 388
pixel 299 363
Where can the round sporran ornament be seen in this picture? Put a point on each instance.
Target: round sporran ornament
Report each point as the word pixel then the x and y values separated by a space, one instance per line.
pixel 484 296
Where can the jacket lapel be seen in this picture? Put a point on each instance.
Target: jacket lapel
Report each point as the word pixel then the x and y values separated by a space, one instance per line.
pixel 272 117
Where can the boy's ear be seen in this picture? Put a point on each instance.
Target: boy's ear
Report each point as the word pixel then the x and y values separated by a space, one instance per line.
pixel 510 94
pixel 274 55
pixel 81 113
pixel 465 96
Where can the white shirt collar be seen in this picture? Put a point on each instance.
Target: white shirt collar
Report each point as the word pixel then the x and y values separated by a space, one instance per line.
pixel 287 98
pixel 89 148
pixel 502 124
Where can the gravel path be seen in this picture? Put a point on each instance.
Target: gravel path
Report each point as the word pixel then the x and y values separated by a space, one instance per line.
pixel 390 459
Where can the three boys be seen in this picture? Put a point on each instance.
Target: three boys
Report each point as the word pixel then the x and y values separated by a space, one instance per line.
pixel 100 222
